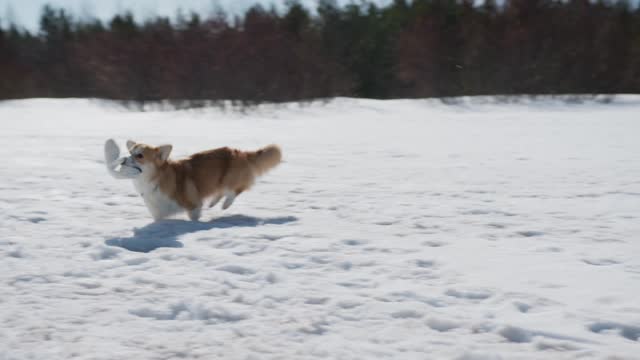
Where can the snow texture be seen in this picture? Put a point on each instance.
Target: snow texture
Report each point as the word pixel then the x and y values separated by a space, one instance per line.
pixel 403 229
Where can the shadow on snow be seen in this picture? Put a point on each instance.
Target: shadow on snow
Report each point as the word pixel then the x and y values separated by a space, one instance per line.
pixel 165 233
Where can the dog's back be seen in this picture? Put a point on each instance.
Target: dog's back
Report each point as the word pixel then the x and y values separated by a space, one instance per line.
pixel 224 169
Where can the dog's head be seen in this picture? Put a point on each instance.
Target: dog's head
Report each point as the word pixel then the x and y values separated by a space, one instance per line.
pixel 146 158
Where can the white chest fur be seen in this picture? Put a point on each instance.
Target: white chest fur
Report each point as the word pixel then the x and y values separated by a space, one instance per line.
pixel 159 204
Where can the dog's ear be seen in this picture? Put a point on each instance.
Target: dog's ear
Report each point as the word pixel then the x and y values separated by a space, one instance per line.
pixel 130 144
pixel 164 151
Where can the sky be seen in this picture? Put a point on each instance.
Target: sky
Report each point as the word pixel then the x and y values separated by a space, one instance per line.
pixel 26 13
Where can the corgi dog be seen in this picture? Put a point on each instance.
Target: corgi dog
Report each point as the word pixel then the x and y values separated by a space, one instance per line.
pixel 170 186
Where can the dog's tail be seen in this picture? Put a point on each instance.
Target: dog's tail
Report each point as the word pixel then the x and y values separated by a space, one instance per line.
pixel 265 159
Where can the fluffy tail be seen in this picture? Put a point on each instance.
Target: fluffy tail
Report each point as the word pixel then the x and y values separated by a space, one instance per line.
pixel 265 158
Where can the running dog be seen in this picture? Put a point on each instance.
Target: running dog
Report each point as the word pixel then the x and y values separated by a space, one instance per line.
pixel 170 186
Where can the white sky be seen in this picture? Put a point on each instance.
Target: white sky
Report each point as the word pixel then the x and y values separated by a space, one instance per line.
pixel 26 13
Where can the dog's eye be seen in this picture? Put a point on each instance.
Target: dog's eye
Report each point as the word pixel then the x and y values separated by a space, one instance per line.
pixel 139 156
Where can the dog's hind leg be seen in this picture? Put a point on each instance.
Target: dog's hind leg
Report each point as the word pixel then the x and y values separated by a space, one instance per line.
pixel 230 196
pixel 215 200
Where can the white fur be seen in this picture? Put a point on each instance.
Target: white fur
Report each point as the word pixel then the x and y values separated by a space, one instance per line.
pixel 160 205
pixel 230 196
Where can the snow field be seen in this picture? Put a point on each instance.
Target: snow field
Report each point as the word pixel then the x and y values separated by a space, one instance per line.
pixel 401 229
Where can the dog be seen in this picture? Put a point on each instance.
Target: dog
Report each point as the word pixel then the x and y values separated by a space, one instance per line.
pixel 170 186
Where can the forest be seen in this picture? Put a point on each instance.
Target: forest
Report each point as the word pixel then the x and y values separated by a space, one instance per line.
pixel 406 49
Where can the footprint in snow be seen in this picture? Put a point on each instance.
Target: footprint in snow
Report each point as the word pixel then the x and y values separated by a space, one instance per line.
pixel 237 269
pixel 630 332
pixel 600 262
pixel 433 243
pixel 530 233
pixel 349 304
pixel 442 325
pixel 406 314
pixel 386 222
pixel 425 263
pixel 354 242
pixel 185 310
pixel 469 294
pixel 522 307
pixel 317 300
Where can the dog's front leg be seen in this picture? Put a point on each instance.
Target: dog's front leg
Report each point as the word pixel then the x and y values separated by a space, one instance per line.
pixel 194 214
pixel 155 213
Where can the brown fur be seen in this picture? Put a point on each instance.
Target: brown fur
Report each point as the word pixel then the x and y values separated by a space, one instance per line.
pixel 207 174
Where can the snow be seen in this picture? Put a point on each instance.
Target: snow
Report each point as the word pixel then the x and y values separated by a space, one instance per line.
pixel 403 229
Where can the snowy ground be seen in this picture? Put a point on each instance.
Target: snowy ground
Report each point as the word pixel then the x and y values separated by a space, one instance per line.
pixel 396 229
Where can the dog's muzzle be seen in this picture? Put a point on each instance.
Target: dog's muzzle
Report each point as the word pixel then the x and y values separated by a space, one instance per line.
pixel 128 162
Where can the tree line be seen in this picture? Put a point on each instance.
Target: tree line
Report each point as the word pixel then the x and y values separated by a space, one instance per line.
pixel 406 49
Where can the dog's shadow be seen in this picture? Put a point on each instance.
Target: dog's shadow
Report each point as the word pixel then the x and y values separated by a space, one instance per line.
pixel 165 233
